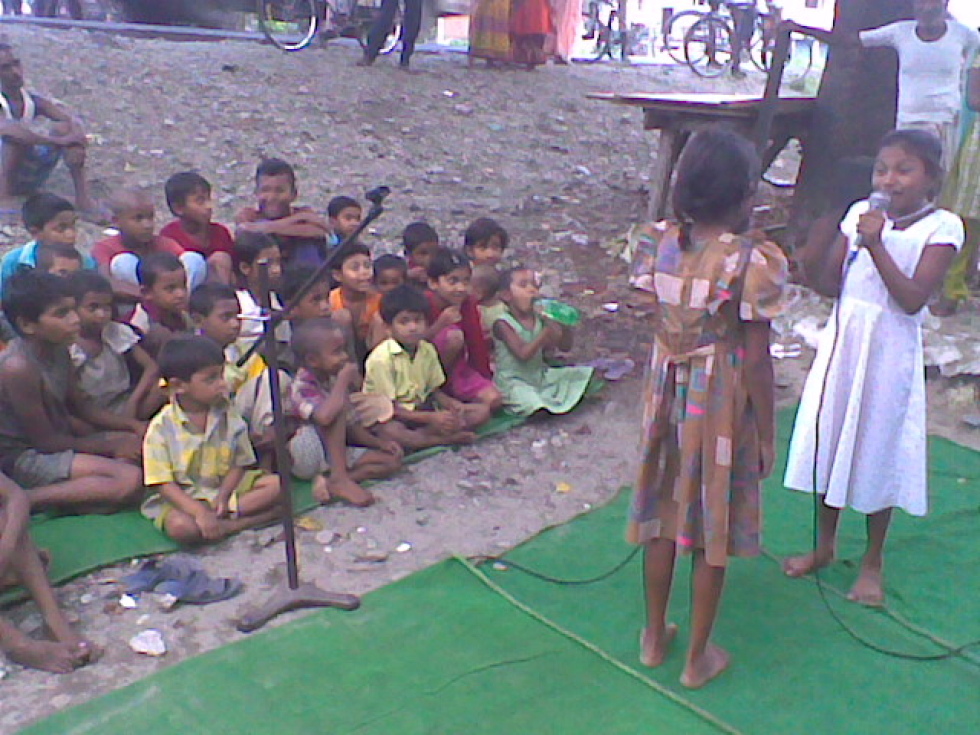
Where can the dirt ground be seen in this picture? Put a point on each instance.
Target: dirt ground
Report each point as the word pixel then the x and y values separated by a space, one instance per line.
pixel 564 174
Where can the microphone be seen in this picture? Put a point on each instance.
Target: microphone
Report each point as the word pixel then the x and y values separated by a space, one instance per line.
pixel 377 195
pixel 877 202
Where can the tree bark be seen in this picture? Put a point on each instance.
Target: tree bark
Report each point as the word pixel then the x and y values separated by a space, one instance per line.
pixel 855 105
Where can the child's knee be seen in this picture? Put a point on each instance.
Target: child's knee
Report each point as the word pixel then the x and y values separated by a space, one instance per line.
pixel 130 485
pixel 74 156
pixel 492 398
pixel 181 528
pixel 454 341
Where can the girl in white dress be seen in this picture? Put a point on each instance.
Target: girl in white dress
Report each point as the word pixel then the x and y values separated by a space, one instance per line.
pixel 867 383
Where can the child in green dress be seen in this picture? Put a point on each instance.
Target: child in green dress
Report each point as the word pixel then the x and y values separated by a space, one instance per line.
pixel 520 337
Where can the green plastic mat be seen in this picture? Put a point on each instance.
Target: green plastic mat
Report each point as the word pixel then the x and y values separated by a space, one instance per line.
pixel 793 669
pixel 80 544
pixel 437 653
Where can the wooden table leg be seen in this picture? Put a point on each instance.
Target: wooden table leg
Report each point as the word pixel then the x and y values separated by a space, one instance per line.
pixel 669 149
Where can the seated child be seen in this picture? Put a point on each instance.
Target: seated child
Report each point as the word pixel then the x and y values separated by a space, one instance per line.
pixel 320 397
pixel 406 370
pixel 521 335
pixel 119 256
pixel 250 248
pixel 355 294
pixel 50 439
pixel 314 304
pixel 189 199
pixel 51 221
pixel 419 241
pixel 344 216
pixel 22 564
pixel 456 330
pixel 103 352
pixel 214 309
pixel 485 241
pixel 390 272
pixel 197 454
pixel 300 232
pixel 61 260
pixel 162 311
pixel 485 285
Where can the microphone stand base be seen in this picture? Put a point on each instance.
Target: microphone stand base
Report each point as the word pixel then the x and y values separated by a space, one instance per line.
pixel 285 599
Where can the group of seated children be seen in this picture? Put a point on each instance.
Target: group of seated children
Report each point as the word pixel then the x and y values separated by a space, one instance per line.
pixel 379 357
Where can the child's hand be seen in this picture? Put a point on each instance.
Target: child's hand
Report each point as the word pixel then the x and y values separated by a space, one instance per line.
pixel 446 422
pixel 553 330
pixel 348 374
pixel 221 503
pixel 138 427
pixel 207 521
pixel 767 458
pixel 392 447
pixel 870 226
pixel 450 315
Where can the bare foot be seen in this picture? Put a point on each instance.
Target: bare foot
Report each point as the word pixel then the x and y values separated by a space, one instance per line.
pixel 653 651
pixel 868 589
pixel 321 489
pixel 56 657
pixel 800 566
pixel 346 489
pixel 85 651
pixel 12 579
pixel 699 672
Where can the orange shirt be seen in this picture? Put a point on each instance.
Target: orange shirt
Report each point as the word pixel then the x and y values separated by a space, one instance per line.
pixel 371 308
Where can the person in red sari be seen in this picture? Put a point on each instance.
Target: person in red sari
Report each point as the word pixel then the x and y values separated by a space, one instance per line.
pixel 531 24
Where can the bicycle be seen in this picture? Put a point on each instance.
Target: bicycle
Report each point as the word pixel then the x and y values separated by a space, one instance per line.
pixel 705 41
pixel 292 25
pixel 608 37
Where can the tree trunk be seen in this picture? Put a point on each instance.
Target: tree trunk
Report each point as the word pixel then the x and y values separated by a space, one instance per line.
pixel 855 105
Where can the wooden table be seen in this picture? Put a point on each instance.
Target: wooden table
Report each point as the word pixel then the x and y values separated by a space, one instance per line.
pixel 677 116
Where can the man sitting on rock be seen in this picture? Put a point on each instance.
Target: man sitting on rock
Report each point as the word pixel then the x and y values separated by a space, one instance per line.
pixel 29 153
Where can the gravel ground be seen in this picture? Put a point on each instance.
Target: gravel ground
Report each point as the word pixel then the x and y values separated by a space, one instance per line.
pixel 562 173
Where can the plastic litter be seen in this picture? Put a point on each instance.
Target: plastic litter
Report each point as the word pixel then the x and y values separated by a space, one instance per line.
pixel 612 307
pixel 563 487
pixel 309 523
pixel 781 351
pixel 129 602
pixel 611 368
pixel 403 547
pixel 149 643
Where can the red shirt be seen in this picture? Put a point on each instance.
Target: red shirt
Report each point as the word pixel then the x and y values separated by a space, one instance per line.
pixel 105 250
pixel 219 238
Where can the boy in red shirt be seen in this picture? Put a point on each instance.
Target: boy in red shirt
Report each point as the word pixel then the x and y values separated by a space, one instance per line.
pixel 119 256
pixel 189 198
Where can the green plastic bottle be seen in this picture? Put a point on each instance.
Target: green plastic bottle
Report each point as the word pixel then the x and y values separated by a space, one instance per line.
pixel 561 312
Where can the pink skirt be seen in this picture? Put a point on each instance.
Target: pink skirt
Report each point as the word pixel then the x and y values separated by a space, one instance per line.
pixel 463 383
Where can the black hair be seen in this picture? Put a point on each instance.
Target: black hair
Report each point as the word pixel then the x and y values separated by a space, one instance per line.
pixel 445 261
pixel 389 262
pixel 923 145
pixel 718 172
pixel 294 278
pixel 41 208
pixel 28 293
pixel 47 254
pixel 181 357
pixel 275 167
pixel 85 282
pixel 307 338
pixel 507 277
pixel 249 245
pixel 339 204
pixel 152 266
pixel 182 185
pixel 418 233
pixel 481 230
pixel 346 252
pixel 401 299
pixel 206 296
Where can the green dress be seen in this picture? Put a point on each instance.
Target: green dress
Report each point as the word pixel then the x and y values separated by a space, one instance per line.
pixel 532 386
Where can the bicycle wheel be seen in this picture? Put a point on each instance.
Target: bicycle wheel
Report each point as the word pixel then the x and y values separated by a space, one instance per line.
pixel 800 61
pixel 675 31
pixel 708 47
pixel 288 24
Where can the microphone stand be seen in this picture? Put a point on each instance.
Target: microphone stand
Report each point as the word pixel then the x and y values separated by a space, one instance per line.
pixel 293 595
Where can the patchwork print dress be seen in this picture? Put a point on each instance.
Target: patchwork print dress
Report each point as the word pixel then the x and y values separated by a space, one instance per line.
pixel 699 474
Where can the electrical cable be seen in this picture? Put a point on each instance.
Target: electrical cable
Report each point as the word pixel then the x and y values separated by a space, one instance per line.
pixel 558 580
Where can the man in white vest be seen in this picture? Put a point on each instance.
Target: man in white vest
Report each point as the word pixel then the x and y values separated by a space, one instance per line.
pixel 36 133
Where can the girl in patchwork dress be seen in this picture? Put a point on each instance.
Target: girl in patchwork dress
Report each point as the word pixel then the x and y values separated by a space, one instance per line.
pixel 709 426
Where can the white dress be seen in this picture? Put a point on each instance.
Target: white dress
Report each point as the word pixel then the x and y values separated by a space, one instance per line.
pixel 873 420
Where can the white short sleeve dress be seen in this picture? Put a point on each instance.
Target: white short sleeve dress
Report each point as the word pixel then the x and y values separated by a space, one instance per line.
pixel 872 452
